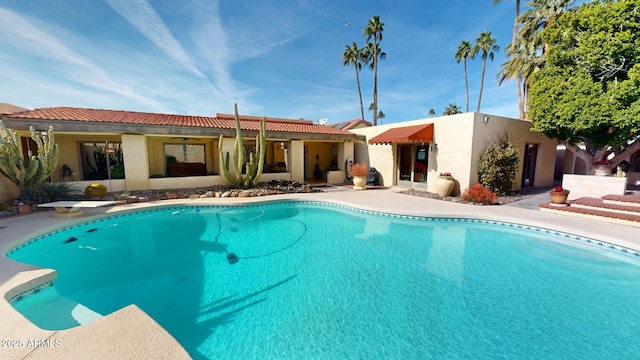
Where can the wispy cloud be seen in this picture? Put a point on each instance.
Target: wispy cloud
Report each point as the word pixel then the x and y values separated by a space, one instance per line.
pixel 143 17
pixel 27 37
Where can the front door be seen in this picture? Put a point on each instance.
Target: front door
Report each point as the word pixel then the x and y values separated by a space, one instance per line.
pixel 412 165
pixel 529 166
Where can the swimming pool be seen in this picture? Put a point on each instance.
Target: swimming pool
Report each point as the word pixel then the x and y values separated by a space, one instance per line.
pixel 314 280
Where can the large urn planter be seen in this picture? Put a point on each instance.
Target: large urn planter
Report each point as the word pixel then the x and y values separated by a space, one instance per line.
pixel 359 183
pixel 445 185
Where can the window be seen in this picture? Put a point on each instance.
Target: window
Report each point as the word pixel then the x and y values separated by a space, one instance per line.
pixel 97 157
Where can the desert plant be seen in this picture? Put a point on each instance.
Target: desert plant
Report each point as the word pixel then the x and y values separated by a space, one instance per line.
pixel 40 167
pixel 117 171
pixel 497 168
pixel 4 206
pixel 48 192
pixel 95 190
pixel 253 167
pixel 158 175
pixel 360 170
pixel 478 194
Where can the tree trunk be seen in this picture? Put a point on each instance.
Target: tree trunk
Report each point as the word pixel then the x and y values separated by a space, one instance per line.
pixel 484 62
pixel 466 83
pixel 359 92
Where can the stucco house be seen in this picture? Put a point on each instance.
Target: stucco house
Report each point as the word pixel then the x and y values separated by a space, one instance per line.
pixel 413 153
pixel 126 150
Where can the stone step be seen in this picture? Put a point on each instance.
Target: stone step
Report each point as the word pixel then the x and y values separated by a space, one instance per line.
pixel 631 199
pixel 630 218
pixel 621 207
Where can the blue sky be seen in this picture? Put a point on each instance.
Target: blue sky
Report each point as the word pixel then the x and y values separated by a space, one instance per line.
pixel 274 58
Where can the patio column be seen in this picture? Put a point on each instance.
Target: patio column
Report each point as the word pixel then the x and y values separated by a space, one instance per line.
pixel 296 161
pixel 136 162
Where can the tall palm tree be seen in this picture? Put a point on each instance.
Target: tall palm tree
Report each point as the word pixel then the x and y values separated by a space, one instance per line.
pixel 512 48
pixel 523 62
pixel 373 31
pixel 540 15
pixel 487 46
pixel 451 109
pixel 432 112
pixel 354 56
pixel 464 49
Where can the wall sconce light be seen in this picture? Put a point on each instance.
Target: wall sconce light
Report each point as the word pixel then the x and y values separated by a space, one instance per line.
pixel 434 147
pixel 485 119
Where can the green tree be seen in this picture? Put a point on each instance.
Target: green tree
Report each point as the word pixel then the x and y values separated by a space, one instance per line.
pixel 463 52
pixel 432 112
pixel 588 91
pixel 373 33
pixel 452 109
pixel 354 56
pixel 486 45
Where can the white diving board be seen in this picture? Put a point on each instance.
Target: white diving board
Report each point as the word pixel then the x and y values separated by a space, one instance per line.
pixel 72 208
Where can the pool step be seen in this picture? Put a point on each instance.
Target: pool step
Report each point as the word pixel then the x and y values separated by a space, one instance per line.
pixel 610 208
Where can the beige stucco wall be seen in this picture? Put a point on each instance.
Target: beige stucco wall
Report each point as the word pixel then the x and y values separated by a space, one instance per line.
pixel 135 161
pixel 8 190
pixel 296 160
pixel 460 139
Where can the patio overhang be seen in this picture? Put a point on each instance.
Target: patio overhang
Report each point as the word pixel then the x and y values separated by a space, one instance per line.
pixel 416 133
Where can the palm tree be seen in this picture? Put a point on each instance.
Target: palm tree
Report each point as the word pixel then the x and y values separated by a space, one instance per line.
pixel 487 45
pixel 373 31
pixel 540 15
pixel 511 50
pixel 381 115
pixel 451 109
pixel 464 49
pixel 432 112
pixel 354 56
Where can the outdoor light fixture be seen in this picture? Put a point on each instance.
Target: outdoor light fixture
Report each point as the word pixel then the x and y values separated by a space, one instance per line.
pixel 434 147
pixel 485 119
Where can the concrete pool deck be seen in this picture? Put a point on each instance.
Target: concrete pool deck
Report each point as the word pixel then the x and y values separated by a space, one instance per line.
pixel 131 334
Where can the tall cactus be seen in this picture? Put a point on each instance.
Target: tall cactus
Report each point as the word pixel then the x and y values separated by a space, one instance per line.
pixel 12 163
pixel 253 167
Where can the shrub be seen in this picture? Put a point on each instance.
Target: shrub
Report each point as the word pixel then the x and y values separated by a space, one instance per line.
pixel 159 175
pixel 478 194
pixel 117 171
pixel 48 192
pixel 359 170
pixel 4 206
pixel 497 168
pixel 95 190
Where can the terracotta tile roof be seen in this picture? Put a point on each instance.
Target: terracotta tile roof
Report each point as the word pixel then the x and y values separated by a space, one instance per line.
pixel 220 121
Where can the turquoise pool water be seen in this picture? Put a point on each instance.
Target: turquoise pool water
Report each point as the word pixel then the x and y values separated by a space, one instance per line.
pixel 322 281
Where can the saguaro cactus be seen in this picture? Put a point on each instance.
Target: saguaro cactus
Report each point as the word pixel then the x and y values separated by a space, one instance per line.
pixel 12 163
pixel 253 167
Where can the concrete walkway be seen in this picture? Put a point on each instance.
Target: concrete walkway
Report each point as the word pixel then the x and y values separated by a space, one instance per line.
pixel 131 334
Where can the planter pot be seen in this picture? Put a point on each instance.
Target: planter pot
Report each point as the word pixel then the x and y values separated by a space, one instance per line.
pixel 559 198
pixel 602 170
pixel 359 183
pixel 445 185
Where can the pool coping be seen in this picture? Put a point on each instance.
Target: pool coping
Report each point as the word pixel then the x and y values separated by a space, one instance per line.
pixel 131 333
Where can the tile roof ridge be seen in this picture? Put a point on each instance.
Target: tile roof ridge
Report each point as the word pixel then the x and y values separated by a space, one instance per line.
pixel 222 116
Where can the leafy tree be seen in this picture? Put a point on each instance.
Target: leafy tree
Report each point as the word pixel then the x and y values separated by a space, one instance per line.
pixel 354 56
pixel 432 112
pixel 463 52
pixel 451 109
pixel 588 91
pixel 497 167
pixel 373 33
pixel 486 45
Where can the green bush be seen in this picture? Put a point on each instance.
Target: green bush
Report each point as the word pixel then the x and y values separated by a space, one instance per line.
pixel 95 190
pixel 48 192
pixel 5 207
pixel 117 171
pixel 159 175
pixel 497 168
